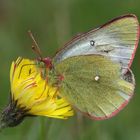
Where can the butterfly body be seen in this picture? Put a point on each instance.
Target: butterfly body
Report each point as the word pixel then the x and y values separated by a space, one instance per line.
pixel 92 72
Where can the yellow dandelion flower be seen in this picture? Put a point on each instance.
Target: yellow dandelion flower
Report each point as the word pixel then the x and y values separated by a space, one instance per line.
pixel 31 94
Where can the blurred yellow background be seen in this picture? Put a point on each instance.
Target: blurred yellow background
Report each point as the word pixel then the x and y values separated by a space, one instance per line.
pixel 53 23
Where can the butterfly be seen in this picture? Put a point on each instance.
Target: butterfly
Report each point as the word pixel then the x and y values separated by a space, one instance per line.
pixel 95 66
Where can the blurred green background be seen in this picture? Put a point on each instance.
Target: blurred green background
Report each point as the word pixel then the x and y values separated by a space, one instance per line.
pixel 53 23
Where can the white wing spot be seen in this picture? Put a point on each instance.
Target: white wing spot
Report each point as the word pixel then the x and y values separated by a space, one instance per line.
pixel 92 43
pixel 97 78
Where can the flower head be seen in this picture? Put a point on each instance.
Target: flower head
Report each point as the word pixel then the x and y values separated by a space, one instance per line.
pixel 31 94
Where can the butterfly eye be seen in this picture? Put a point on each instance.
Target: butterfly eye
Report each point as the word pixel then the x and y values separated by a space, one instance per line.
pixel 92 43
pixel 48 62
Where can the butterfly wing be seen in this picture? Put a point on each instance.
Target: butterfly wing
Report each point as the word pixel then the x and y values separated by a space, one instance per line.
pixel 94 85
pixel 117 39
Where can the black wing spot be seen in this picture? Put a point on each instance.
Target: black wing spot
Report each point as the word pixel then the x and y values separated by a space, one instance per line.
pixel 107 50
pixel 92 42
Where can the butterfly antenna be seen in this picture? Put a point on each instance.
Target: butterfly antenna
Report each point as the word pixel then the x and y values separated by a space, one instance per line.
pixel 35 46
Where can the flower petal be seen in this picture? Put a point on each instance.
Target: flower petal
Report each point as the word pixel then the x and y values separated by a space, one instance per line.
pixel 34 93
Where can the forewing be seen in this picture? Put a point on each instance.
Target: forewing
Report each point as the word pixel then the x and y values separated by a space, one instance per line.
pixel 99 98
pixel 117 39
